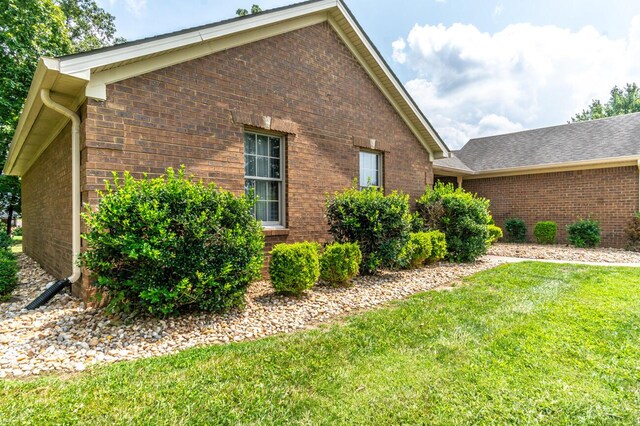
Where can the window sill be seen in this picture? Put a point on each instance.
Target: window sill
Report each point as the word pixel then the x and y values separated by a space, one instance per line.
pixel 271 232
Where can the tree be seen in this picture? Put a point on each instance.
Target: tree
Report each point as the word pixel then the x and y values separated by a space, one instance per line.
pixel 29 30
pixel 621 101
pixel 244 12
pixel 89 26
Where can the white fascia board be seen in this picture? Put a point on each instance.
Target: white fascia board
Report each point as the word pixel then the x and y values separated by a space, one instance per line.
pixel 393 80
pixel 86 62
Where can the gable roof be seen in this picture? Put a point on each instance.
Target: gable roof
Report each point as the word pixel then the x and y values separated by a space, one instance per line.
pixel 594 141
pixel 74 78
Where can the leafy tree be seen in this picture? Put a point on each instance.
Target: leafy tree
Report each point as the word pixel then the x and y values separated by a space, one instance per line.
pixel 244 12
pixel 89 26
pixel 621 101
pixel 28 30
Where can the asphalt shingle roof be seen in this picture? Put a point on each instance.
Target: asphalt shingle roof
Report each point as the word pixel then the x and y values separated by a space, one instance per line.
pixel 588 140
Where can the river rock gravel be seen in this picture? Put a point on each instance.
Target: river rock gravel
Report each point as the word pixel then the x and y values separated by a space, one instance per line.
pixel 562 252
pixel 67 336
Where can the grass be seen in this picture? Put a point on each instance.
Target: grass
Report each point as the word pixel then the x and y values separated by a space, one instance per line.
pixel 523 343
pixel 16 246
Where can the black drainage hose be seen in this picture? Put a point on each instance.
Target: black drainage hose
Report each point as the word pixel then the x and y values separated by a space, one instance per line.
pixel 48 294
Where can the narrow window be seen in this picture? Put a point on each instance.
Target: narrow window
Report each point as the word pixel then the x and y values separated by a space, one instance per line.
pixel 263 172
pixel 370 169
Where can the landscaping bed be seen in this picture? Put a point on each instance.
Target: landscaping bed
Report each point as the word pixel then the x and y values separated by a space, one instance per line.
pixel 66 336
pixel 562 252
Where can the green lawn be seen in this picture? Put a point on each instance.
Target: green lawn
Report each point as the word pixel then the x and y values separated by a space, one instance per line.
pixel 16 246
pixel 523 343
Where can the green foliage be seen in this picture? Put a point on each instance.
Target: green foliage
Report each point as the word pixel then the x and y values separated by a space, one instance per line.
pixel 17 231
pixel 244 12
pixel 516 230
pixel 621 101
pixel 495 233
pixel 294 268
pixel 8 272
pixel 545 232
pixel 5 241
pixel 339 263
pixel 379 224
pixel 417 250
pixel 168 244
pixel 584 233
pixel 88 25
pixel 438 246
pixel 462 216
pixel 633 233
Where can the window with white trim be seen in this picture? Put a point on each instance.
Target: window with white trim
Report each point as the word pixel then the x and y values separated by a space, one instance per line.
pixel 370 169
pixel 263 172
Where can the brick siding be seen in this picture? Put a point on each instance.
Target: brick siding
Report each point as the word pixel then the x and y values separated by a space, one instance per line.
pixel 608 195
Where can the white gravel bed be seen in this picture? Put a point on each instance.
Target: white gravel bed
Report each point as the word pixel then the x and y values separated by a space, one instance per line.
pixel 66 336
pixel 561 252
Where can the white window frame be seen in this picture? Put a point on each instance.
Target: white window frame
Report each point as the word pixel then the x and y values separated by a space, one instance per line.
pixel 378 155
pixel 282 212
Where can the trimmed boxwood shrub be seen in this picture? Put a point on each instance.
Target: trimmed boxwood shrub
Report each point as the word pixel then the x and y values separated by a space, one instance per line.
pixel 584 233
pixel 462 216
pixel 295 267
pixel 545 232
pixel 339 263
pixel 516 230
pixel 169 244
pixel 438 246
pixel 379 224
pixel 495 233
pixel 8 273
pixel 417 250
pixel 633 233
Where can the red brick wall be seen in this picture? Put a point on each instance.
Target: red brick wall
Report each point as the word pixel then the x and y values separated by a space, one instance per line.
pixel 46 207
pixel 307 78
pixel 607 195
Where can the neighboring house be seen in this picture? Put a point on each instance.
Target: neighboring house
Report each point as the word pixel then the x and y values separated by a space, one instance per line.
pixel 560 173
pixel 295 102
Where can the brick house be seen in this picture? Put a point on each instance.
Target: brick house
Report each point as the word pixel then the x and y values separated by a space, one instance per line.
pixel 560 173
pixel 295 102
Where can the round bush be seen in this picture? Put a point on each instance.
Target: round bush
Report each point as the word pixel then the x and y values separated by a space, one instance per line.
pixel 438 246
pixel 294 268
pixel 339 263
pixel 495 233
pixel 8 273
pixel 168 244
pixel 462 216
pixel 633 233
pixel 545 232
pixel 417 250
pixel 516 230
pixel 584 233
pixel 379 224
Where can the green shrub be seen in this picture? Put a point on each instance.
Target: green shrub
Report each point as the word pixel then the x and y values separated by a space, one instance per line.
pixel 545 232
pixel 379 224
pixel 495 233
pixel 339 263
pixel 516 230
pixel 169 244
pixel 8 273
pixel 584 233
pixel 5 241
pixel 633 233
pixel 438 246
pixel 462 216
pixel 294 268
pixel 417 250
pixel 17 231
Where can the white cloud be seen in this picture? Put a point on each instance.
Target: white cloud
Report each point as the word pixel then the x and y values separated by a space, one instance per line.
pixel 470 83
pixel 136 7
pixel 497 11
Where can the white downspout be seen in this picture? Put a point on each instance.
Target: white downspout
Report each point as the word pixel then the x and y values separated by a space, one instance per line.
pixel 75 179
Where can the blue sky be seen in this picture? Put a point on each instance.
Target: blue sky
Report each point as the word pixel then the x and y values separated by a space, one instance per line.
pixel 474 67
